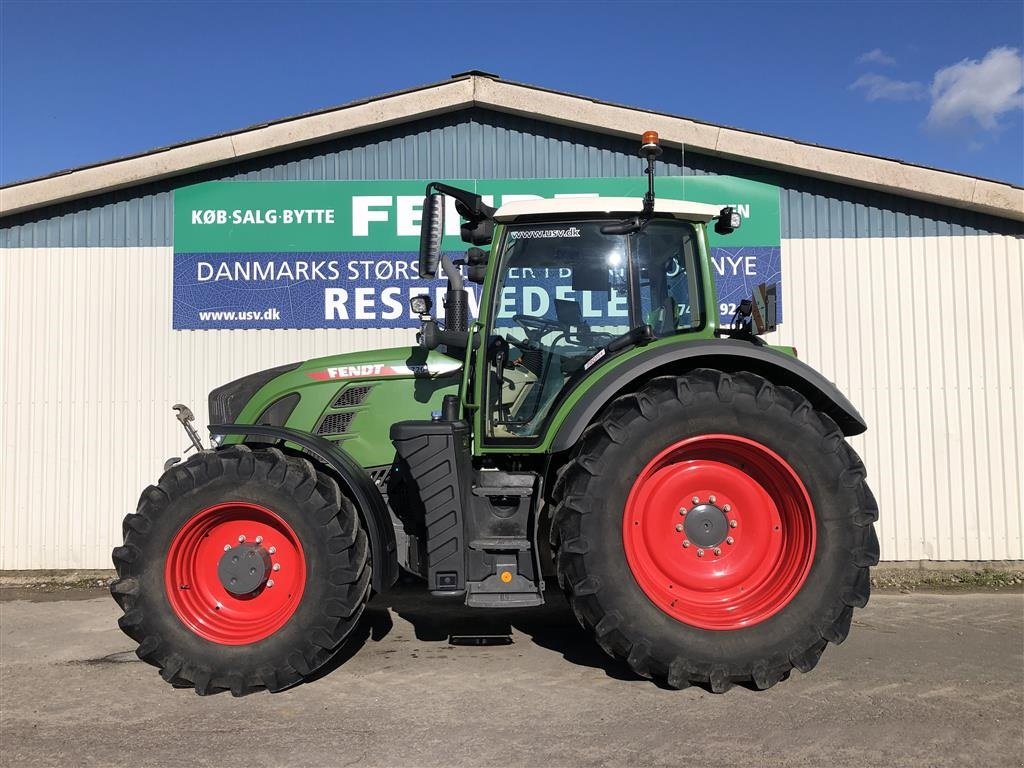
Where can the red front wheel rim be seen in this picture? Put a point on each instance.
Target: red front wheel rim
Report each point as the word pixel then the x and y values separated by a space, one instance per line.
pixel 719 532
pixel 206 545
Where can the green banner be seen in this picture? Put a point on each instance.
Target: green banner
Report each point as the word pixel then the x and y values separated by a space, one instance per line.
pixel 330 254
pixel 384 216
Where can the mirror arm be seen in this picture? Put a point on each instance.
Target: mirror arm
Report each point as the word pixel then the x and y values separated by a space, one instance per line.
pixel 472 201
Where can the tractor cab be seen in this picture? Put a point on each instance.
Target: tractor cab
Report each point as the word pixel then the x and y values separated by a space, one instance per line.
pixel 567 284
pixel 568 290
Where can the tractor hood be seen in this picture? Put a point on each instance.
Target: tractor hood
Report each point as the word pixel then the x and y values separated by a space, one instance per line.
pixel 248 399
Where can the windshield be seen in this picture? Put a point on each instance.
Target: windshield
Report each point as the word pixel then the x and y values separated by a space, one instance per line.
pixel 564 292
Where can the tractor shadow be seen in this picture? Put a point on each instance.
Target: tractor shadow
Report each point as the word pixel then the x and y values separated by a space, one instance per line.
pixel 551 626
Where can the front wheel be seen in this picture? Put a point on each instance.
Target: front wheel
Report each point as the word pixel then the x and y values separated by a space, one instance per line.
pixel 733 535
pixel 241 570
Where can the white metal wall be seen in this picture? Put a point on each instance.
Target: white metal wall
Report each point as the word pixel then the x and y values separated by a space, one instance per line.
pixel 914 330
pixel 923 335
pixel 91 368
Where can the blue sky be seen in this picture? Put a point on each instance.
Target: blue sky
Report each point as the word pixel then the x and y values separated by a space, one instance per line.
pixel 937 83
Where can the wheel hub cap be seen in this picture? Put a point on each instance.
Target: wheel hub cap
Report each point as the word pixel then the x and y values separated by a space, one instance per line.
pixel 244 569
pixel 706 525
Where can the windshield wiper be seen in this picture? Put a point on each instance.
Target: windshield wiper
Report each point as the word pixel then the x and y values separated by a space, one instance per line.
pixel 631 338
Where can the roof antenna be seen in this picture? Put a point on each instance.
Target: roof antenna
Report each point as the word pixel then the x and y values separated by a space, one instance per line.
pixel 650 149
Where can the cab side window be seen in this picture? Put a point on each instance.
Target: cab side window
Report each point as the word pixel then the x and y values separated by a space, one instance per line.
pixel 665 255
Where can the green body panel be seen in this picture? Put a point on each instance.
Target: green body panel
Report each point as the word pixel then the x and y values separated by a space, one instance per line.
pixel 407 383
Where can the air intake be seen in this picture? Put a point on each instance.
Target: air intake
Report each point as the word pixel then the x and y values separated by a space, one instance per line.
pixel 350 397
pixel 335 424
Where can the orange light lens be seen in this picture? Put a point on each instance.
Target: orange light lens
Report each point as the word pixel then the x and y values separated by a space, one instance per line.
pixel 649 137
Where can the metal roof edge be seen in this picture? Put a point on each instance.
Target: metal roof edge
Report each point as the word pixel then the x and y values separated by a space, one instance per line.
pixel 852 168
pixel 264 138
pixel 484 90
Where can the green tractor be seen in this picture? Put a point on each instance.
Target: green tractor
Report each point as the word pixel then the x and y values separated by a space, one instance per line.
pixel 690 486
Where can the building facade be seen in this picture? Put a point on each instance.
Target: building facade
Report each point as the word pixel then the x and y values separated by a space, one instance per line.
pixel 901 284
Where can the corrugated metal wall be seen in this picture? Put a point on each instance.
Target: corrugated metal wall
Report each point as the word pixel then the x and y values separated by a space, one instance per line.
pixel 91 369
pixel 915 331
pixel 905 305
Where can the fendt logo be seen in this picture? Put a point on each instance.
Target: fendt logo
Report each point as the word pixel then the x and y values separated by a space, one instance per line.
pixel 348 372
pixel 379 369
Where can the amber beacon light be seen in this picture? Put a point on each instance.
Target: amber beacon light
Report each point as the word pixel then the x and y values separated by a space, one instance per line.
pixel 649 144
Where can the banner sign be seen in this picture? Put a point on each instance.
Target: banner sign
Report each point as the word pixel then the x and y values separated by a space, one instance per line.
pixel 343 254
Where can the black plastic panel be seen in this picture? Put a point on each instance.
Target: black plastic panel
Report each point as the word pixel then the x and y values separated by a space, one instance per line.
pixel 433 457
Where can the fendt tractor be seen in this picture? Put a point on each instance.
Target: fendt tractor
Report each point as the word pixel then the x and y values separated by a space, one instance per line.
pixel 689 485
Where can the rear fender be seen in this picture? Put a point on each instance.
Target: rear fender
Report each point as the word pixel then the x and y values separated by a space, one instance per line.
pixel 355 482
pixel 725 355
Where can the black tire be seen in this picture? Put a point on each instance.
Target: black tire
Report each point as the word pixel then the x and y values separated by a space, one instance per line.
pixel 337 583
pixel 592 565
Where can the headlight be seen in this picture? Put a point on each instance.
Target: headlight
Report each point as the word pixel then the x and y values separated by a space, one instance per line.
pixel 421 305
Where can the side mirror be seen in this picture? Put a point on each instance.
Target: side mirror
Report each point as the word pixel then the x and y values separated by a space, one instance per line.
pixel 728 221
pixel 765 311
pixel 431 232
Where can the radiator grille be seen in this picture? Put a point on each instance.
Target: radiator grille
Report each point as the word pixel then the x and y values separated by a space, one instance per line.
pixel 351 396
pixel 335 424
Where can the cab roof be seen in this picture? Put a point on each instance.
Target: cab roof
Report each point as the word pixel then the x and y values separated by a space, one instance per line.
pixel 680 209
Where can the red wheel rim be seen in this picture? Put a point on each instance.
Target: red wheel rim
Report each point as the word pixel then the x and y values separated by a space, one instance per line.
pixel 674 517
pixel 194 587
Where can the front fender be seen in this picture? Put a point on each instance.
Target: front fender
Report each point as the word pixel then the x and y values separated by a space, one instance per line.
pixel 722 354
pixel 355 482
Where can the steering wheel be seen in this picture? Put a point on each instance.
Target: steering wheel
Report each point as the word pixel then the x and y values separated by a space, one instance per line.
pixel 536 327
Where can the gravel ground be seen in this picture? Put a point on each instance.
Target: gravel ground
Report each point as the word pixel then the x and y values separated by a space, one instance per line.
pixel 924 680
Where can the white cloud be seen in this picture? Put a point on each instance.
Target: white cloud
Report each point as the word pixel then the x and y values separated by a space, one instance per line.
pixel 876 56
pixel 978 91
pixel 882 88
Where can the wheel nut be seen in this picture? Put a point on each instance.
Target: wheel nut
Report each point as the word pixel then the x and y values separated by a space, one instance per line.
pixel 717 551
pixel 682 510
pixel 733 523
pixel 227 547
pixel 695 499
pixel 727 508
pixel 241 539
pixel 272 550
pixel 686 543
pixel 270 583
pixel 700 553
pixel 277 566
pixel 259 539
pixel 711 499
pixel 729 539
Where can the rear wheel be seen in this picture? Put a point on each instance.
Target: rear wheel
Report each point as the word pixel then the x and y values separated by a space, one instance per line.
pixel 734 537
pixel 241 570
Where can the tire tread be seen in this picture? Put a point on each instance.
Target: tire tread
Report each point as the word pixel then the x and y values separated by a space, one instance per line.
pixel 348 567
pixel 632 412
